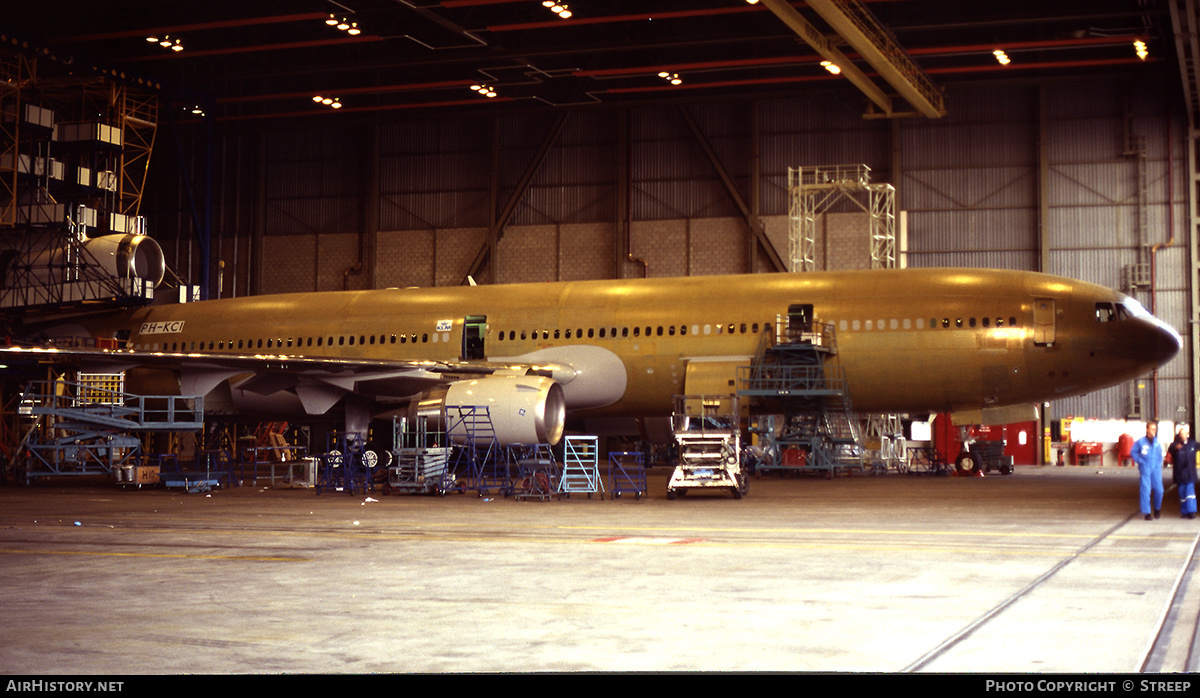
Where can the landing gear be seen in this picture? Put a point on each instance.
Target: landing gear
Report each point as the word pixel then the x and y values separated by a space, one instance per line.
pixel 968 463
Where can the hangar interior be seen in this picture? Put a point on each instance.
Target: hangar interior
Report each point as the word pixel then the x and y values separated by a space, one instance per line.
pixel 268 149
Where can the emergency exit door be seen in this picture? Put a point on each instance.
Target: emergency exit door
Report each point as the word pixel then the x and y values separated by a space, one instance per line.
pixel 1043 321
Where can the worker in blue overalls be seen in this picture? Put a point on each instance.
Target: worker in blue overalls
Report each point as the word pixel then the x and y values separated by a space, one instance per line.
pixel 1183 470
pixel 1148 454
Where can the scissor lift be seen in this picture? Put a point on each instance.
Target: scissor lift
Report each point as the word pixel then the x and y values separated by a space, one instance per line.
pixel 794 378
pixel 421 459
pixel 708 434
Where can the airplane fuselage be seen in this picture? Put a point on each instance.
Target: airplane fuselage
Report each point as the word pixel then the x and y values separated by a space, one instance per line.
pixel 917 340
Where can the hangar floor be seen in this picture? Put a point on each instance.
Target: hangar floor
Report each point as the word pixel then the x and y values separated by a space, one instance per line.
pixel 1047 570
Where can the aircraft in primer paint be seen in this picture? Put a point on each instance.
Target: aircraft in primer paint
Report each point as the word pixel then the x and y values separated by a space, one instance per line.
pixel 985 345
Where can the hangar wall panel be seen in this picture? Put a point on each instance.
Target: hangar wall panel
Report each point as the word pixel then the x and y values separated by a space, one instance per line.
pixel 574 183
pixel 455 250
pixel 528 253
pixel 288 263
pixel 586 251
pixel 658 244
pixel 405 258
pixel 718 246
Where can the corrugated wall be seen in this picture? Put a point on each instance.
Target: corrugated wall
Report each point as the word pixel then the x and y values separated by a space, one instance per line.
pixel 1108 155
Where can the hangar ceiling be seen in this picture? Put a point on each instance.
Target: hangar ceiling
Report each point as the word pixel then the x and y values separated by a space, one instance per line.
pixel 268 59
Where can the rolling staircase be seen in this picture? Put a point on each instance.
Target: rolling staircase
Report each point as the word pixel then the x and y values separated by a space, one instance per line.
pixel 812 424
pixel 89 425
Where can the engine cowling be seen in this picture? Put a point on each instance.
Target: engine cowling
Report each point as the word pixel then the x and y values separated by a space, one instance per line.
pixel 522 409
pixel 123 256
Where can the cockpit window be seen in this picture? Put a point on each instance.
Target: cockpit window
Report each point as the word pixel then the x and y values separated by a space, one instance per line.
pixel 1114 312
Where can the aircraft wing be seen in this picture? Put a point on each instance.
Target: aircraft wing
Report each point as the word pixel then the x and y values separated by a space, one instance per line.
pixel 318 381
pixel 523 387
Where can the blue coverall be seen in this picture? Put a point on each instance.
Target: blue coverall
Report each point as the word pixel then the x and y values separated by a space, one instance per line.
pixel 1148 454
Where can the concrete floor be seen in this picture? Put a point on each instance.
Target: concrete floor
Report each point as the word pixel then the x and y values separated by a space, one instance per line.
pixel 1045 570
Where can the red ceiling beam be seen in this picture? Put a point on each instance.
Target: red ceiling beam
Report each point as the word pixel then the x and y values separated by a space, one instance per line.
pixel 202 26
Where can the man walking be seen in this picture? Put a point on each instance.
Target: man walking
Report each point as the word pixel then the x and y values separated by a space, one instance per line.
pixel 1148 454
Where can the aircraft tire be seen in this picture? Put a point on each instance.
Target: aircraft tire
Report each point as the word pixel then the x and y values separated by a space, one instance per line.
pixel 968 463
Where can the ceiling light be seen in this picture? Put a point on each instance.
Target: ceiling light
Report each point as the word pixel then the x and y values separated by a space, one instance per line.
pixel 1001 57
pixel 485 90
pixel 1140 47
pixel 829 65
pixel 331 102
pixel 557 8
pixel 166 42
pixel 344 24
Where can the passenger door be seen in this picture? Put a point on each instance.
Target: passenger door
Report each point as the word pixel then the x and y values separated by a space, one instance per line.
pixel 474 329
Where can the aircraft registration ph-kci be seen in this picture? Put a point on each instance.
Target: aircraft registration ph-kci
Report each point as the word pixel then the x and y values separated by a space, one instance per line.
pixel 967 341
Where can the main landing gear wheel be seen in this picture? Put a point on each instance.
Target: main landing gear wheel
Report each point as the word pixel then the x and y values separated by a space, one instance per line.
pixel 968 463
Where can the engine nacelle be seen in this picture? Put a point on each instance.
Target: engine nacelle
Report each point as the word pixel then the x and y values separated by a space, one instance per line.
pixel 123 256
pixel 129 256
pixel 523 409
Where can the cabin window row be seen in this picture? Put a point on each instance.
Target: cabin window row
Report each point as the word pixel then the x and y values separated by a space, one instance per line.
pixel 290 343
pixel 919 323
pixel 581 333
pixel 627 332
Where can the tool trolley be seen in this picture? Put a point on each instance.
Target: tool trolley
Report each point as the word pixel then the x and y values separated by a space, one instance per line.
pixel 626 473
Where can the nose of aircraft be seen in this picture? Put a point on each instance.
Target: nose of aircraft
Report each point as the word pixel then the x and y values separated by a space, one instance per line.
pixel 1156 342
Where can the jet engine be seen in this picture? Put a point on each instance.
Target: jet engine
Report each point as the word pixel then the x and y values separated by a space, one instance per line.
pixel 122 256
pixel 522 409
pixel 129 256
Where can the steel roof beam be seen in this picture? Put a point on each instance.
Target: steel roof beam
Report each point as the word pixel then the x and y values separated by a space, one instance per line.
pixel 861 31
pixel 822 45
